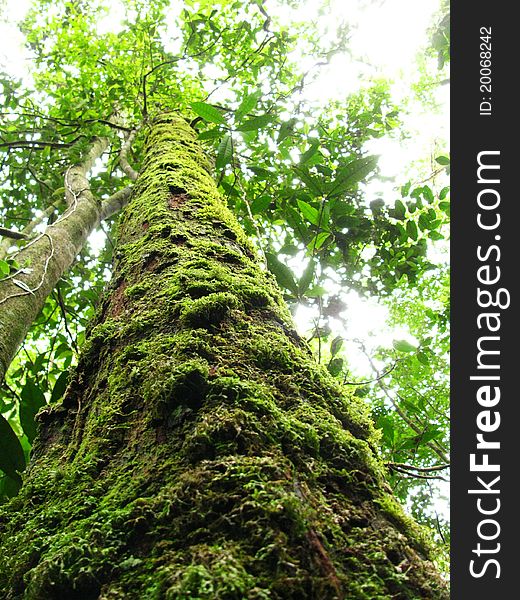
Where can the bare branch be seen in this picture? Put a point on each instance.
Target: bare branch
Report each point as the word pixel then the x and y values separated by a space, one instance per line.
pixel 11 234
pixel 129 171
pixel 392 465
pixel 115 203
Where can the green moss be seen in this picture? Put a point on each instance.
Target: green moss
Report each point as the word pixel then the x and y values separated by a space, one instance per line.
pixel 209 310
pixel 200 452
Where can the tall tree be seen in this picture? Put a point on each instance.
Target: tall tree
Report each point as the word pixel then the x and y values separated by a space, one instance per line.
pixel 198 450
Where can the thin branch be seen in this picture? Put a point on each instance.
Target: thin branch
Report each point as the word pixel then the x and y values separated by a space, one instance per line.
pixel 392 465
pixel 39 144
pixel 382 376
pixel 410 475
pixel 438 450
pixel 11 234
pixel 63 310
pixel 129 171
pixel 115 203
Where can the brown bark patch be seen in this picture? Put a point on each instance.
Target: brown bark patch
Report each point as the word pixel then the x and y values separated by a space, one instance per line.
pixel 176 200
pixel 117 300
pixel 324 562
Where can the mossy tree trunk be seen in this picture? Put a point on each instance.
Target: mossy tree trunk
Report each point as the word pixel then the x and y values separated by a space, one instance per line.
pixel 200 452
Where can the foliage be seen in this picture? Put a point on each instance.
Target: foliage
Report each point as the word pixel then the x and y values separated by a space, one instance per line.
pixel 292 172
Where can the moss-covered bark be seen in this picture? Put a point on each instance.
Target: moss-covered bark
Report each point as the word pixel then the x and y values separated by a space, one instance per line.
pixel 200 452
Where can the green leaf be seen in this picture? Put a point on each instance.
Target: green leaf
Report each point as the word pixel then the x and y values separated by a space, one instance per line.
pixel 422 357
pixel 350 175
pixel 247 104
pixel 255 123
pixel 286 129
pixel 411 230
pixel 32 399
pixel 336 345
pixel 403 346
pixel 208 112
pixel 443 160
pixel 445 207
pixel 316 291
pixel 260 204
pixel 309 212
pixel 12 459
pixel 283 274
pixel 260 172
pixel 224 152
pixel 210 134
pixel 317 242
pixel 430 434
pixel 335 366
pixel 4 268
pixel 312 184
pixel 306 278
pixel 308 154
pixel 428 194
pixel 399 210
pixel 9 487
pixel 60 386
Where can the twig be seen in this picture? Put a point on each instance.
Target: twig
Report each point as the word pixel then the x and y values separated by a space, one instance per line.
pixel 129 171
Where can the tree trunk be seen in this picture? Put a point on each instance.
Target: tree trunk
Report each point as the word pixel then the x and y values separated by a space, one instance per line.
pixel 200 452
pixel 47 257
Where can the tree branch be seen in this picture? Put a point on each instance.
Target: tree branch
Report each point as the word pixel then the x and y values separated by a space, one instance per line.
pixel 49 256
pixel 11 234
pixel 129 171
pixel 115 203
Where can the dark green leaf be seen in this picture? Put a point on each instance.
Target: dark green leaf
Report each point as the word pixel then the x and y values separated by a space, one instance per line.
pixel 306 278
pixel 350 175
pixel 255 123
pixel 309 212
pixel 336 345
pixel 422 357
pixel 335 366
pixel 60 386
pixel 260 172
pixel 260 204
pixel 229 189
pixel 9 487
pixel 224 152
pixel 208 112
pixel 411 230
pixel 12 459
pixel 312 184
pixel 286 129
pixel 32 399
pixel 211 134
pixel 399 210
pixel 283 274
pixel 443 160
pixel 428 194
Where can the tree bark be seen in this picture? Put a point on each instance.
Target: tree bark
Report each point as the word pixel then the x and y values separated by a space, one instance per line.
pixel 48 256
pixel 200 452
